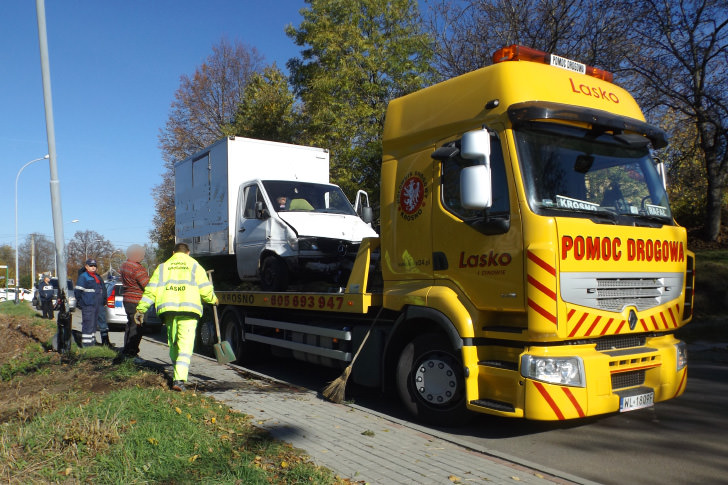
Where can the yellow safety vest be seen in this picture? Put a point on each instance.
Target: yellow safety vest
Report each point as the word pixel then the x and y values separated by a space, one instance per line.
pixel 177 286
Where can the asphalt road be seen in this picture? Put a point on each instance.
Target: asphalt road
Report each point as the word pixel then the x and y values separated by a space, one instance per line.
pixel 682 441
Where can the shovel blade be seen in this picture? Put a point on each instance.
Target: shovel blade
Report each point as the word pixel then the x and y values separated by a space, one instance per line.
pixel 224 353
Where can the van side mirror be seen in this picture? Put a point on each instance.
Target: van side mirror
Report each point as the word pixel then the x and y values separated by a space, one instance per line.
pixel 476 190
pixel 260 211
pixel 367 215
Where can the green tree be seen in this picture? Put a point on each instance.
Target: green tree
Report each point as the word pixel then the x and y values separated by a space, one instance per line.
pixel 355 58
pixel 7 258
pixel 267 110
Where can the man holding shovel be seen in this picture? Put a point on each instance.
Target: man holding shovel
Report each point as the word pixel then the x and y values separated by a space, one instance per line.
pixel 176 288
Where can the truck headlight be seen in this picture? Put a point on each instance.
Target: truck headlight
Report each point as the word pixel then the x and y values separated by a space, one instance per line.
pixel 568 371
pixel 681 351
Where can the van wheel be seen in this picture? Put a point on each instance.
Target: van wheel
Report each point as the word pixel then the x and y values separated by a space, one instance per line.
pixel 430 381
pixel 273 274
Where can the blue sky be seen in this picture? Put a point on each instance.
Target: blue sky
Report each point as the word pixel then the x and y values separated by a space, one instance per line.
pixel 114 69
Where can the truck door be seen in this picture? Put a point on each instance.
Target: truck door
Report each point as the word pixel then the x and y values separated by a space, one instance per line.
pixel 253 228
pixel 480 251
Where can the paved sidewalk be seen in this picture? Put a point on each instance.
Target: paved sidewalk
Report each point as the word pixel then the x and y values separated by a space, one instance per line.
pixel 355 443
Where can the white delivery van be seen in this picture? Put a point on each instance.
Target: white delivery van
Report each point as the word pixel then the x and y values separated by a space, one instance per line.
pixel 271 206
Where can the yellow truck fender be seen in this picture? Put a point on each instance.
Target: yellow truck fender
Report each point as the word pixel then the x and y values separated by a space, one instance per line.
pixel 413 321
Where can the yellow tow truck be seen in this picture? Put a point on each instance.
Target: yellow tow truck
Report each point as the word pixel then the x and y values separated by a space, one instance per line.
pixel 528 263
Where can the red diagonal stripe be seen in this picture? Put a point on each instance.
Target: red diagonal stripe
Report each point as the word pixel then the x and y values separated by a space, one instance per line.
pixel 606 327
pixel 674 322
pixel 682 382
pixel 573 400
pixel 542 263
pixel 620 326
pixel 642 321
pixel 571 312
pixel 576 328
pixel 549 399
pixel 654 322
pixel 662 315
pixel 594 324
pixel 544 313
pixel 547 291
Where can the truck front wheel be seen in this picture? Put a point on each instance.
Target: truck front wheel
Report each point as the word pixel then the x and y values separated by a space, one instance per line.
pixel 430 381
pixel 273 274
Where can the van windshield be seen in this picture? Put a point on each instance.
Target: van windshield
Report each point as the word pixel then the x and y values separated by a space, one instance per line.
pixel 289 196
pixel 575 172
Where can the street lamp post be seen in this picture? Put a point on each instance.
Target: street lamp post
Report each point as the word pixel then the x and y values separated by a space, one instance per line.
pixel 55 259
pixel 110 257
pixel 17 273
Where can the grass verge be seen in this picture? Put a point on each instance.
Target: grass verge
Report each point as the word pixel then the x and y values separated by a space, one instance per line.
pixel 85 419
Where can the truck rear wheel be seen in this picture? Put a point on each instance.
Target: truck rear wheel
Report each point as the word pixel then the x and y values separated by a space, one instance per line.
pixel 231 331
pixel 273 274
pixel 430 381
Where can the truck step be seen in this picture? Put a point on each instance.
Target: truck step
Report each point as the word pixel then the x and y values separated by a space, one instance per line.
pixel 495 405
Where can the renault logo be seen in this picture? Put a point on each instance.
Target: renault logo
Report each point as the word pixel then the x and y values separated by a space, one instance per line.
pixel 632 319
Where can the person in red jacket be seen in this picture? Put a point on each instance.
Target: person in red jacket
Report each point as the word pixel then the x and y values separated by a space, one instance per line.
pixel 134 277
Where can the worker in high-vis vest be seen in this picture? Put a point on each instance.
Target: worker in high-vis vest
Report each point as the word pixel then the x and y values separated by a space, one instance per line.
pixel 176 289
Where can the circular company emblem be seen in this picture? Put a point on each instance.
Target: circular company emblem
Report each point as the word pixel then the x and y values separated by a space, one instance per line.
pixel 411 195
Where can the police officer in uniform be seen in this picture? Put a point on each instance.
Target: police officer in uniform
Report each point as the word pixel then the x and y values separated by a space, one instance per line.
pixel 90 296
pixel 45 295
pixel 176 289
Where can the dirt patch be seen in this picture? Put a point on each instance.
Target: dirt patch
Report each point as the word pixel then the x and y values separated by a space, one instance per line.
pixel 52 379
pixel 16 333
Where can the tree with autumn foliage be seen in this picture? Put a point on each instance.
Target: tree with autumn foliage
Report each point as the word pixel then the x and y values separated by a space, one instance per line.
pixel 203 111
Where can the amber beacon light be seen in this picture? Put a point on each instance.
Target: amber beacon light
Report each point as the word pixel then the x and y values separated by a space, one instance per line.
pixel 521 53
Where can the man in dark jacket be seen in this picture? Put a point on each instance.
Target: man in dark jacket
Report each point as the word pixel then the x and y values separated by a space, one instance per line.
pixel 90 294
pixel 45 296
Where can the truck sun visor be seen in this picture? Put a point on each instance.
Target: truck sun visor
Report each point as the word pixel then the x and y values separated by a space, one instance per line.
pixel 533 110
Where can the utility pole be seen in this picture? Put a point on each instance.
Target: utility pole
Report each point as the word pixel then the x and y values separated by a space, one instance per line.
pixel 51 135
pixel 32 260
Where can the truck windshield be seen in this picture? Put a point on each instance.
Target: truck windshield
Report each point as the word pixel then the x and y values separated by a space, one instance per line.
pixel 575 172
pixel 307 197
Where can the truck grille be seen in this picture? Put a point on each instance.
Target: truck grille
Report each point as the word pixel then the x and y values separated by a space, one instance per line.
pixel 620 342
pixel 628 379
pixel 615 291
pixel 615 294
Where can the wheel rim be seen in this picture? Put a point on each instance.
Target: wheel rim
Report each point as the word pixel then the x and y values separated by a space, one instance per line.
pixel 435 380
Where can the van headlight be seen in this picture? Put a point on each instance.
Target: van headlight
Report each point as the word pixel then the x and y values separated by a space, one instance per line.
pixel 568 371
pixel 293 243
pixel 681 351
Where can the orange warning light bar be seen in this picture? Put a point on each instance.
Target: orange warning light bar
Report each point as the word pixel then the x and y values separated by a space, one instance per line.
pixel 521 53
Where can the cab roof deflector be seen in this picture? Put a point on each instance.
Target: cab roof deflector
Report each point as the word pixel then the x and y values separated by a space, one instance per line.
pixel 541 110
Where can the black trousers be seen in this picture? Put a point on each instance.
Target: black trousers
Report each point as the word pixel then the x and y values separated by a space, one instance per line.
pixel 47 307
pixel 133 333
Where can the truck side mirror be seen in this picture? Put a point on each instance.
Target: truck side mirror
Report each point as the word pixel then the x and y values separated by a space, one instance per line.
pixel 260 211
pixel 476 190
pixel 367 215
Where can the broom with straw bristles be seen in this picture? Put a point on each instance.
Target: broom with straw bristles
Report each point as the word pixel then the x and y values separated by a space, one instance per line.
pixel 336 389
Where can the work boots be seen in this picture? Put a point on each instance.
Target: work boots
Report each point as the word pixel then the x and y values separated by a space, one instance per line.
pixel 106 343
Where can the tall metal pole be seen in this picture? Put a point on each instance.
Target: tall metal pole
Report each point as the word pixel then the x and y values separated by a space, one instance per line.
pixel 51 134
pixel 17 272
pixel 32 260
